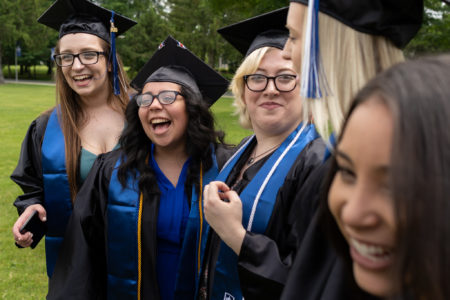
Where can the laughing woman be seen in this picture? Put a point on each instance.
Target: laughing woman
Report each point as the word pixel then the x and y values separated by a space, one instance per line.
pixel 136 222
pixel 389 184
pixel 62 144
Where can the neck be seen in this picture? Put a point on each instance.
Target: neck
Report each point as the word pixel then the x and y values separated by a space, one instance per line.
pixel 91 102
pixel 174 154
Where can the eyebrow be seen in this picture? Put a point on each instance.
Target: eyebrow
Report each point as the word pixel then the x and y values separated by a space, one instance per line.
pixel 343 155
pixel 81 50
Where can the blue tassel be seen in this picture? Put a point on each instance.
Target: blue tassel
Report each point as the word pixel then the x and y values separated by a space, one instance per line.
pixel 313 78
pixel 113 57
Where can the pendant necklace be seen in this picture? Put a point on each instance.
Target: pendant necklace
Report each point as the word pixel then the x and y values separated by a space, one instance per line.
pixel 252 159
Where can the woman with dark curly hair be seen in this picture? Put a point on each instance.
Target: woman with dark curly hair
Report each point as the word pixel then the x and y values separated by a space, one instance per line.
pixel 137 226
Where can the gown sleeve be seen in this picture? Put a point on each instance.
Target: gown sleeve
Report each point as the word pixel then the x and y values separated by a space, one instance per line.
pixel 80 271
pixel 28 172
pixel 265 259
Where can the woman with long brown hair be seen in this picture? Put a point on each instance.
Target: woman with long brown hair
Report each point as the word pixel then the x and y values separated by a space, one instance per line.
pixel 62 144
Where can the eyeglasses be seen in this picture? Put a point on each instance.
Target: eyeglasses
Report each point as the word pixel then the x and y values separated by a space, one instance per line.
pixel 164 97
pixel 86 58
pixel 259 82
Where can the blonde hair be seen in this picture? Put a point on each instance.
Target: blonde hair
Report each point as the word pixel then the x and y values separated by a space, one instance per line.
pixel 72 117
pixel 350 59
pixel 248 66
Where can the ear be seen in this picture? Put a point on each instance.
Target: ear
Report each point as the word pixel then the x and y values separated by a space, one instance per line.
pixel 109 67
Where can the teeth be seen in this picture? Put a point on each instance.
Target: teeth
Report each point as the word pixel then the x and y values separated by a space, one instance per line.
pixel 159 121
pixel 372 252
pixel 81 77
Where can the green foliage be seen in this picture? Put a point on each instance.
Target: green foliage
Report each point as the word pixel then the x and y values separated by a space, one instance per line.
pixel 434 36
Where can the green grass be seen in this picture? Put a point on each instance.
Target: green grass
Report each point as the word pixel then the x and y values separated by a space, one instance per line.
pixel 22 271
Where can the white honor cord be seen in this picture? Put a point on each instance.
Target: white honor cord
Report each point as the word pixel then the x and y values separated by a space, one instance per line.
pixel 266 180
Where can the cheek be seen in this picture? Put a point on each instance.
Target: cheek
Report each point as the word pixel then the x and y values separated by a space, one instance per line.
pixel 142 117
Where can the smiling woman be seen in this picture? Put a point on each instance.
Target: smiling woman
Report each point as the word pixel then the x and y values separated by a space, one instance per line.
pixel 390 180
pixel 252 246
pixel 61 144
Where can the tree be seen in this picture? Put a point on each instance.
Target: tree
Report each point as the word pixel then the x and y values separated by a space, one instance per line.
pixel 18 25
pixel 434 35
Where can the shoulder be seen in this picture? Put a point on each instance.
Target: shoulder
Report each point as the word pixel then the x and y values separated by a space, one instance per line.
pixel 223 153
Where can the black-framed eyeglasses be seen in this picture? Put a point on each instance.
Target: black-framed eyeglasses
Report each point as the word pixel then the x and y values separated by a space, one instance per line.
pixel 259 82
pixel 164 97
pixel 86 58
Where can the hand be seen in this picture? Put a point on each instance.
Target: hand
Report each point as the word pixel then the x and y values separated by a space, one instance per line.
pixel 223 212
pixel 25 240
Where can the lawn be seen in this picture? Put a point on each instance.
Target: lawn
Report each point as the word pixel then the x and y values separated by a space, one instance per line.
pixel 22 271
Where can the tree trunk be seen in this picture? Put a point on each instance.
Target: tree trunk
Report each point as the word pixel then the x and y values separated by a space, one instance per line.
pixel 2 79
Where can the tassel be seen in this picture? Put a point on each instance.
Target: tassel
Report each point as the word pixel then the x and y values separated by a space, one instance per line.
pixel 314 84
pixel 113 57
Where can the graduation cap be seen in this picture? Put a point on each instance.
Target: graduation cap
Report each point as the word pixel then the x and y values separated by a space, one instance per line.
pixel 82 16
pixel 398 21
pixel 266 30
pixel 173 62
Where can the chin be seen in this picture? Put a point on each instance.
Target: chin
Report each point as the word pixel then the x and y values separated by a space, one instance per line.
pixel 375 283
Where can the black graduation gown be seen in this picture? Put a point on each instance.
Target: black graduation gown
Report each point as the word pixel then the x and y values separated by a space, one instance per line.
pixel 80 271
pixel 265 259
pixel 317 271
pixel 28 172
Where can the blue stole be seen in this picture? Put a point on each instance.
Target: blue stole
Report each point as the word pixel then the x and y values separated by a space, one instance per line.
pixel 57 201
pixel 194 243
pixel 258 199
pixel 122 247
pixel 122 238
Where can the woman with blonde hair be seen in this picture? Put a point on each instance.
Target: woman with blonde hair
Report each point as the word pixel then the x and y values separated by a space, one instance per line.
pixel 357 39
pixel 251 244
pixel 62 144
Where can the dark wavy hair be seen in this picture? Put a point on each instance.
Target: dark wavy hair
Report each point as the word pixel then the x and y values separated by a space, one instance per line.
pixel 418 95
pixel 201 139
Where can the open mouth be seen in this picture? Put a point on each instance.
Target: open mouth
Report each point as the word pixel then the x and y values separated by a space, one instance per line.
pixel 160 124
pixel 81 78
pixel 374 253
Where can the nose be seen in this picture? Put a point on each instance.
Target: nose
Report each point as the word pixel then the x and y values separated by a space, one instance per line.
pixel 357 210
pixel 156 105
pixel 286 54
pixel 77 63
pixel 271 88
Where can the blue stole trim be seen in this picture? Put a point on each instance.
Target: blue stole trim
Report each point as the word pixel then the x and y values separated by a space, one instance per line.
pixel 57 201
pixel 122 246
pixel 188 272
pixel 258 199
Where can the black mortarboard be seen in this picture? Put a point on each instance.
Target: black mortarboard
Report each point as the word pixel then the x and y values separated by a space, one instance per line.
pixel 173 62
pixel 398 20
pixel 82 16
pixel 268 29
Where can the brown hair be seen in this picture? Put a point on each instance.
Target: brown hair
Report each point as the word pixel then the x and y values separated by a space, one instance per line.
pixel 72 117
pixel 417 93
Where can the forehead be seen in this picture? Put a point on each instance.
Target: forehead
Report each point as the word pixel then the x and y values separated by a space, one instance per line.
pixel 75 42
pixel 367 138
pixel 295 17
pixel 156 87
pixel 274 60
